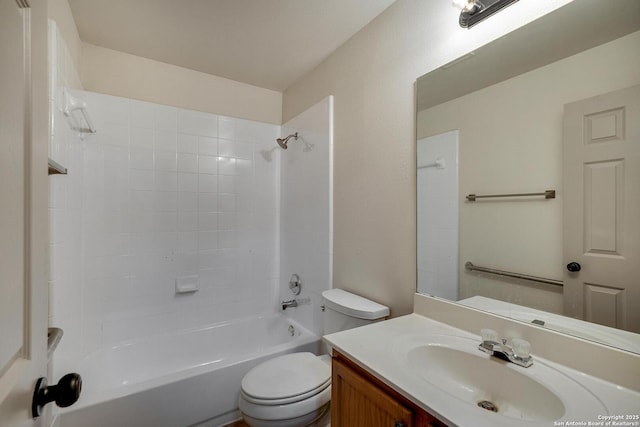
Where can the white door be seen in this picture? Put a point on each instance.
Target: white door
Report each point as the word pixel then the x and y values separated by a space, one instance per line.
pixel 22 325
pixel 602 209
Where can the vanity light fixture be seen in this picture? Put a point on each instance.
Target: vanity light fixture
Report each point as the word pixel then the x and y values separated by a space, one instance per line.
pixel 474 11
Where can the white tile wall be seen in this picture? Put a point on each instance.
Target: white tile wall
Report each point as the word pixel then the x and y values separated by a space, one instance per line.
pixel 157 199
pixel 306 216
pixel 65 219
pixel 161 192
pixel 437 224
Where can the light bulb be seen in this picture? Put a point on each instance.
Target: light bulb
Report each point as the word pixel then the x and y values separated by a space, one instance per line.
pixel 464 5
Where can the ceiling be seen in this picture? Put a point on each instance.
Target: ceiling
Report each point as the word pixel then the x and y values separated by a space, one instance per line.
pixel 266 43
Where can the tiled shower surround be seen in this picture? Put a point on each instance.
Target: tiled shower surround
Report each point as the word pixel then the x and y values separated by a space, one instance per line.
pixel 160 193
pixel 437 222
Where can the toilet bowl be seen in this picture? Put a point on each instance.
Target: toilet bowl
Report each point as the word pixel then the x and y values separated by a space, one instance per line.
pixel 294 390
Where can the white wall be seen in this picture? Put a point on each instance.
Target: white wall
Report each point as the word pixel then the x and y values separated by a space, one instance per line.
pixel 36 264
pixel 372 79
pixel 306 216
pixel 523 153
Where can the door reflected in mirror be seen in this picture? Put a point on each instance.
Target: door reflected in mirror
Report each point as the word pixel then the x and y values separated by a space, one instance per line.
pixel 543 108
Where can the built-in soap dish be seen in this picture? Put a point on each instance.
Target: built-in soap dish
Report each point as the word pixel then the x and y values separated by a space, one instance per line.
pixel 187 284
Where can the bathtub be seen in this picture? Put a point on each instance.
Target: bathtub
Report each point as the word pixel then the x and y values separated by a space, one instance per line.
pixel 191 378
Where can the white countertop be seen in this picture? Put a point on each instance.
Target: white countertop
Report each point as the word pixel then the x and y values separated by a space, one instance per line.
pixel 376 349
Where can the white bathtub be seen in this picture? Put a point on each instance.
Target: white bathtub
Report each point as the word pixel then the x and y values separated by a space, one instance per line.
pixel 178 380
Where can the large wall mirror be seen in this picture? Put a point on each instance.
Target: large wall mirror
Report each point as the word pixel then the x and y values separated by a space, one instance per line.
pixel 548 116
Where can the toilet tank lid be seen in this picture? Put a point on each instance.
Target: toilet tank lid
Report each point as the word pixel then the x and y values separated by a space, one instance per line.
pixel 354 305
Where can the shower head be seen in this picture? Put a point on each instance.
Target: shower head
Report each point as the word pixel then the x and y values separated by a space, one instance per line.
pixel 282 142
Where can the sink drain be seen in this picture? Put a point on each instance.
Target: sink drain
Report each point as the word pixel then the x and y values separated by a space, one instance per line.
pixel 489 406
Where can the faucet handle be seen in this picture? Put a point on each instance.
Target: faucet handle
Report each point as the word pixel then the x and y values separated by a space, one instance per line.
pixel 488 335
pixel 521 348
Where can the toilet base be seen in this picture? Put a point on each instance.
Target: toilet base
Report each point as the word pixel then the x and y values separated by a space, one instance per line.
pixel 318 418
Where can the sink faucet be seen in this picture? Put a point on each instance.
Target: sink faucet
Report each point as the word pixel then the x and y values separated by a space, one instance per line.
pixel 515 350
pixel 290 303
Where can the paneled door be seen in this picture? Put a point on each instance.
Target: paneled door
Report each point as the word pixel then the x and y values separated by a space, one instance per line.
pixel 21 362
pixel 602 209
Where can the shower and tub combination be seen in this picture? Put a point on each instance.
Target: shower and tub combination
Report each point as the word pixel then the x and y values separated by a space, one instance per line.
pixel 200 377
pixel 181 379
pixel 171 251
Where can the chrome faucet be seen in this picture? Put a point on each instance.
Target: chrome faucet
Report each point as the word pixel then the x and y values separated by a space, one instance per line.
pixel 290 303
pixel 515 350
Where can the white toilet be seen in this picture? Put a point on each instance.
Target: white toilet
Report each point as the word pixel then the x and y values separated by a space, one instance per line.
pixel 294 390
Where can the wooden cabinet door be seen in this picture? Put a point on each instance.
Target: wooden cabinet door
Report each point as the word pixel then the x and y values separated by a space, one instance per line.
pixel 356 402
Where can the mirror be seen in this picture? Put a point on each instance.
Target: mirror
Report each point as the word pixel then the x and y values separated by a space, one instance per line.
pixel 491 123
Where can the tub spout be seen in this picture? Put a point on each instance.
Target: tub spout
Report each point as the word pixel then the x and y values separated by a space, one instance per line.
pixel 290 303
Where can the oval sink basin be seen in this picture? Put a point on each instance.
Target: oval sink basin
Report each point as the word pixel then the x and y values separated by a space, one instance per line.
pixel 487 383
pixel 539 394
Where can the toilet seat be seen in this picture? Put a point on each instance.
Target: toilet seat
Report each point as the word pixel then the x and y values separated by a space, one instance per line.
pixel 286 400
pixel 286 379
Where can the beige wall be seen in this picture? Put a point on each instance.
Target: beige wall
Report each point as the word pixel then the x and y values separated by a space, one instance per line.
pixel 121 74
pixel 372 78
pixel 116 73
pixel 511 142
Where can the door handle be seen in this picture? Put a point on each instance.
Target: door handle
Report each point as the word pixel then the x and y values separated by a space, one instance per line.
pixel 65 393
pixel 574 267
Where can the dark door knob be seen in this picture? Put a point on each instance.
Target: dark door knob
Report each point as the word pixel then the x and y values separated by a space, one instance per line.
pixel 65 393
pixel 573 267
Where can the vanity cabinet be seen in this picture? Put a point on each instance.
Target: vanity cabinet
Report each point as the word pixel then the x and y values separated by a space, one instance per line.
pixel 360 400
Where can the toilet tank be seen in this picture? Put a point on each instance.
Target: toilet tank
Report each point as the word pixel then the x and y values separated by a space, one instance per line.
pixel 344 310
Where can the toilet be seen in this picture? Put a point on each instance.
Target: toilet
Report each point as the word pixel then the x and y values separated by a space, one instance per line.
pixel 294 390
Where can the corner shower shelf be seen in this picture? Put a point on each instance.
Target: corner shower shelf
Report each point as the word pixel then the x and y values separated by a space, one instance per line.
pixel 56 168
